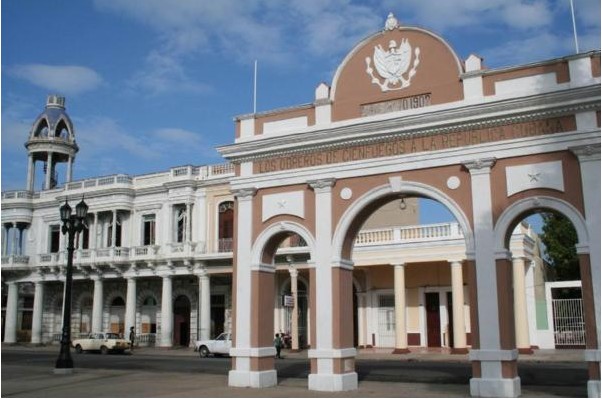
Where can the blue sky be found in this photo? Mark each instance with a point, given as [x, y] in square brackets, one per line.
[153, 84]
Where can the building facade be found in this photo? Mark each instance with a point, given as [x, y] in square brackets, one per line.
[313, 229]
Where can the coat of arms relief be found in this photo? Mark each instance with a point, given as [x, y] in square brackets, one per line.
[392, 65]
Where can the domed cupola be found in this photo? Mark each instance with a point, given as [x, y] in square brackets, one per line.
[51, 140]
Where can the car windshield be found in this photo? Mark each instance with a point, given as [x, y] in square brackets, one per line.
[222, 337]
[111, 336]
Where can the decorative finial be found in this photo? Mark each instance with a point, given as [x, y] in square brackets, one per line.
[392, 22]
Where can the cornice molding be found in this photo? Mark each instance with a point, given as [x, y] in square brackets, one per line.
[462, 116]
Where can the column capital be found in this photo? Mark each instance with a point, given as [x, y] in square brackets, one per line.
[201, 272]
[293, 272]
[343, 264]
[398, 264]
[585, 153]
[480, 165]
[322, 185]
[503, 254]
[244, 194]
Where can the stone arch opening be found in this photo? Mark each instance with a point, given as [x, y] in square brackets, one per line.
[85, 314]
[403, 316]
[117, 315]
[548, 320]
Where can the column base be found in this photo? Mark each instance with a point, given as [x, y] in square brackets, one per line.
[63, 371]
[400, 351]
[459, 351]
[332, 382]
[593, 389]
[495, 388]
[252, 379]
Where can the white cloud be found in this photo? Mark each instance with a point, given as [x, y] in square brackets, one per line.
[63, 79]
[164, 73]
[535, 48]
[106, 144]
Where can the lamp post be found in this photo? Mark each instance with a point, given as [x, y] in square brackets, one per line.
[71, 224]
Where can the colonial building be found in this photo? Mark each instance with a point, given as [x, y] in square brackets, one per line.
[313, 228]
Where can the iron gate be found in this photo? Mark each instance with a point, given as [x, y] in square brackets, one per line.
[569, 327]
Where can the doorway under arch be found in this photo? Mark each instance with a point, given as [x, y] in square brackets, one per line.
[181, 321]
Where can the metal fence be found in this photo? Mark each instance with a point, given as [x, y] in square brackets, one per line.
[569, 326]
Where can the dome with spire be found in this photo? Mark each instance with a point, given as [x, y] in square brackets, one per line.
[53, 122]
[52, 141]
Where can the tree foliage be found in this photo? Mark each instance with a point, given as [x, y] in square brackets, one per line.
[559, 237]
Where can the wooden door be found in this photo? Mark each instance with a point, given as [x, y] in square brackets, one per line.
[433, 322]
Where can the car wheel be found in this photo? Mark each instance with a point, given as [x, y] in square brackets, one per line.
[104, 350]
[204, 352]
[78, 349]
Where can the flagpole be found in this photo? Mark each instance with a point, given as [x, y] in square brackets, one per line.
[255, 89]
[574, 27]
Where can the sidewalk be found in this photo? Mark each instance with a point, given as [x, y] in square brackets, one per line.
[416, 354]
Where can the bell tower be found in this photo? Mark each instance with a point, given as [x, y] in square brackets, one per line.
[52, 141]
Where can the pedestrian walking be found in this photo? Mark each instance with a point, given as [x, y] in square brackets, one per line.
[132, 339]
[278, 346]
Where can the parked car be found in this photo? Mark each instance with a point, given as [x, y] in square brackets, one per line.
[103, 342]
[218, 346]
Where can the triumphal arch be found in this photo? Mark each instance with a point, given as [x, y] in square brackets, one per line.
[405, 117]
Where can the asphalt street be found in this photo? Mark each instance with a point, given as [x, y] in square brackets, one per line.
[442, 377]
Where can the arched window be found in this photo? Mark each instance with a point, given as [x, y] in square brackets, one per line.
[41, 129]
[225, 226]
[61, 130]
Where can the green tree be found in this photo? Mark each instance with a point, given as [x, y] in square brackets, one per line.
[559, 237]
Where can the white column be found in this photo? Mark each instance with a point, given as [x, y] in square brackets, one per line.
[325, 378]
[361, 320]
[69, 169]
[242, 375]
[204, 305]
[521, 322]
[589, 162]
[5, 238]
[295, 316]
[458, 307]
[93, 231]
[30, 172]
[49, 171]
[188, 222]
[97, 305]
[200, 233]
[489, 355]
[13, 246]
[114, 230]
[401, 333]
[130, 304]
[166, 313]
[10, 327]
[36, 323]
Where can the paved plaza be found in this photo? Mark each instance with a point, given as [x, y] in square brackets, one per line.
[35, 379]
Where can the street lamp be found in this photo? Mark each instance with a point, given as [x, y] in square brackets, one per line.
[71, 224]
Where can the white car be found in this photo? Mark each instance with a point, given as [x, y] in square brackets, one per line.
[103, 342]
[218, 346]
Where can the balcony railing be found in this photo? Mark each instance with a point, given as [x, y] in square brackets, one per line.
[224, 245]
[15, 260]
[409, 234]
